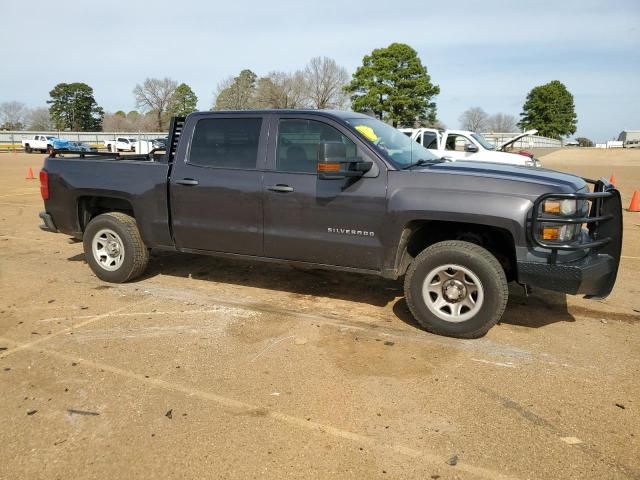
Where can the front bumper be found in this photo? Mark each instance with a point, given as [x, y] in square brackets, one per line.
[48, 225]
[593, 276]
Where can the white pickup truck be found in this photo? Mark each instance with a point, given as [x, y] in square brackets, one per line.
[466, 145]
[121, 144]
[39, 143]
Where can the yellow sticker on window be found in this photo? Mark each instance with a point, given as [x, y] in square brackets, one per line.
[367, 132]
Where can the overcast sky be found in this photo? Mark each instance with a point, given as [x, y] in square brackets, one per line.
[487, 54]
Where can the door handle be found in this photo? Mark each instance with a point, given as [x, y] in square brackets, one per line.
[187, 181]
[280, 188]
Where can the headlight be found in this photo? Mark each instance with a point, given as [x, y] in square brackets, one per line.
[565, 208]
[560, 233]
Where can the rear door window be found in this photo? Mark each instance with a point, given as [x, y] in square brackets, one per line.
[226, 143]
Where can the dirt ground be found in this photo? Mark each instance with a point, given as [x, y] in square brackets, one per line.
[209, 368]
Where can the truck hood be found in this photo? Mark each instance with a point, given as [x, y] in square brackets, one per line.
[561, 181]
[504, 145]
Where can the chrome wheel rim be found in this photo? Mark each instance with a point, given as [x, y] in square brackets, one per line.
[108, 249]
[453, 293]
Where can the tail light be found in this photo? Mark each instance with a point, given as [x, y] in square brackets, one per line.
[525, 153]
[44, 185]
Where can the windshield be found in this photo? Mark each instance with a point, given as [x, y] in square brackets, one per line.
[392, 143]
[50, 138]
[483, 141]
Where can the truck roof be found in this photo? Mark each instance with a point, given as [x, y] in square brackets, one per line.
[341, 114]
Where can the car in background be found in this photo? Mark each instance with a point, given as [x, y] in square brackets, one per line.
[121, 144]
[62, 145]
[41, 143]
[467, 145]
[159, 143]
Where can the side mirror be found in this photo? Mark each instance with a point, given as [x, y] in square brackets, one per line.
[333, 163]
[470, 148]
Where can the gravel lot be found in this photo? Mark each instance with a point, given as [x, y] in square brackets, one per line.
[209, 368]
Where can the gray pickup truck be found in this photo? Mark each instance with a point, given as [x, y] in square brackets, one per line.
[341, 190]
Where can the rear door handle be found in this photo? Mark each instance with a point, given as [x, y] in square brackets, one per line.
[280, 188]
[187, 181]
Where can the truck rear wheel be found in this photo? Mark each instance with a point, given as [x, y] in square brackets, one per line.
[457, 289]
[114, 248]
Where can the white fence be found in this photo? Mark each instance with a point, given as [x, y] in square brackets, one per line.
[10, 140]
[530, 141]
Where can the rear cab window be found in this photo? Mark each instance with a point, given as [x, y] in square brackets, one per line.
[226, 143]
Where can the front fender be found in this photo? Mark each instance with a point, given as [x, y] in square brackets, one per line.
[502, 211]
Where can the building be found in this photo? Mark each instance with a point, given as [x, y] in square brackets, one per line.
[630, 138]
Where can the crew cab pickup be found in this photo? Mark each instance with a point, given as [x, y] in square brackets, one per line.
[40, 143]
[121, 144]
[341, 190]
[472, 146]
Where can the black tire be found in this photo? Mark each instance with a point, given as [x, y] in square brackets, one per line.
[479, 261]
[136, 254]
[109, 148]
[27, 148]
[49, 149]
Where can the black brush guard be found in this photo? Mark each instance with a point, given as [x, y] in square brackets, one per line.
[604, 225]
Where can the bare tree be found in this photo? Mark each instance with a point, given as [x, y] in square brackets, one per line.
[474, 119]
[281, 90]
[129, 122]
[13, 115]
[502, 123]
[40, 120]
[112, 122]
[154, 95]
[324, 82]
[439, 124]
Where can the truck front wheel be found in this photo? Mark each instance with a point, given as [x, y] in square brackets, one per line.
[114, 248]
[27, 148]
[457, 289]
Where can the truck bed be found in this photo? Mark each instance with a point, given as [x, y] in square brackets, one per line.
[138, 182]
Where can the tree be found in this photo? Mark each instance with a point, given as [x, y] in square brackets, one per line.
[584, 142]
[280, 90]
[324, 83]
[183, 101]
[502, 122]
[13, 115]
[116, 122]
[474, 119]
[128, 122]
[153, 96]
[549, 108]
[40, 120]
[394, 85]
[236, 93]
[73, 107]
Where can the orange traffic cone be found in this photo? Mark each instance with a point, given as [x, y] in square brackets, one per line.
[634, 206]
[612, 180]
[30, 175]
